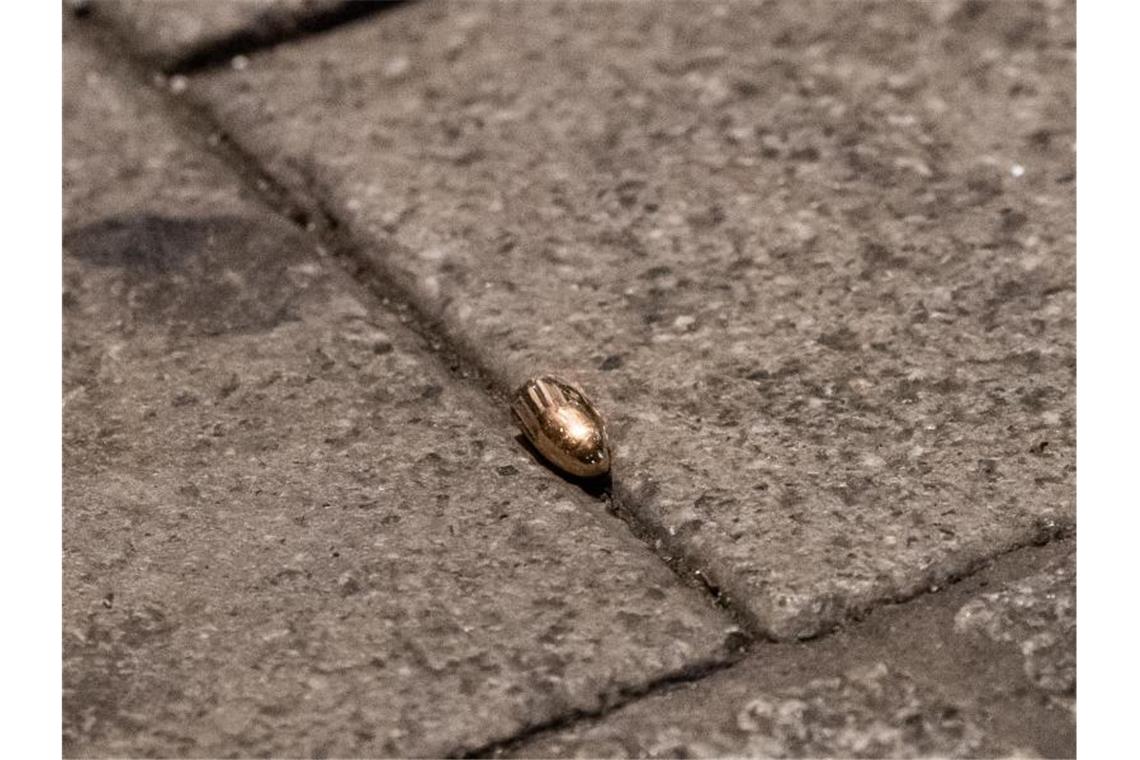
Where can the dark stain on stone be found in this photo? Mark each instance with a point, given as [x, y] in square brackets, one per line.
[709, 217]
[197, 275]
[807, 154]
[101, 667]
[1036, 399]
[948, 385]
[877, 257]
[184, 397]
[1012, 221]
[610, 363]
[984, 184]
[843, 339]
[229, 385]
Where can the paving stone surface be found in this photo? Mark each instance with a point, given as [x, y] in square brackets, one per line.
[287, 530]
[815, 260]
[1039, 616]
[170, 32]
[909, 681]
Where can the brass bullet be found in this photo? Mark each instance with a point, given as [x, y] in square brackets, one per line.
[559, 421]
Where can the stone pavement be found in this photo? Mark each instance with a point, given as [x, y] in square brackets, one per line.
[762, 252]
[287, 529]
[815, 262]
[984, 669]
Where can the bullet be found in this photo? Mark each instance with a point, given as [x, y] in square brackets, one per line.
[565, 427]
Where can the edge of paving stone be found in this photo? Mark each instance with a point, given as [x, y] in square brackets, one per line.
[305, 199]
[1010, 568]
[367, 262]
[272, 27]
[293, 198]
[726, 654]
[294, 191]
[762, 618]
[609, 703]
[298, 202]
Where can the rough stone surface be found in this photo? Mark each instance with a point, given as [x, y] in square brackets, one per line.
[1039, 616]
[287, 530]
[905, 682]
[815, 260]
[171, 31]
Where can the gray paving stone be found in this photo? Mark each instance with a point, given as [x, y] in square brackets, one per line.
[170, 32]
[815, 260]
[287, 531]
[905, 682]
[1039, 616]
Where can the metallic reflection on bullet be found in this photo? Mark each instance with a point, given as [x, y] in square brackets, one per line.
[559, 421]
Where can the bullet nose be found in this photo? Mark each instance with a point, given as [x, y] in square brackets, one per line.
[563, 425]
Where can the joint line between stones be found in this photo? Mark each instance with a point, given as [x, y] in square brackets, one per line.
[309, 212]
[305, 205]
[692, 674]
[302, 202]
[268, 31]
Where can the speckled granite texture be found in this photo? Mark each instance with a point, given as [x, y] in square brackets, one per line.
[815, 260]
[906, 682]
[287, 530]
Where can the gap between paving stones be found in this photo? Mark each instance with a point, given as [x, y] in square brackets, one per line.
[522, 739]
[690, 675]
[299, 195]
[949, 664]
[220, 51]
[300, 198]
[301, 201]
[378, 297]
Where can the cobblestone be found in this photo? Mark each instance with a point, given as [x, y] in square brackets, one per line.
[905, 682]
[815, 261]
[288, 529]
